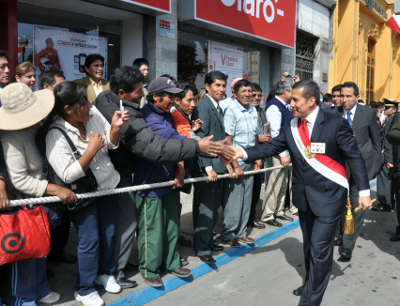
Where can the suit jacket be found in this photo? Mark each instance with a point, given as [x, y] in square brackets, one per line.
[366, 133]
[324, 196]
[90, 90]
[213, 124]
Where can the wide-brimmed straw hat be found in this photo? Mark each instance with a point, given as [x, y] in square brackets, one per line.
[22, 107]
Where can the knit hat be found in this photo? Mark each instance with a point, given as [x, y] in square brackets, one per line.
[22, 107]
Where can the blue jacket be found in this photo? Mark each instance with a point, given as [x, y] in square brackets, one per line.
[286, 114]
[147, 172]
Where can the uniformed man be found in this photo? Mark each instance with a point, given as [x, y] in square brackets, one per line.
[384, 182]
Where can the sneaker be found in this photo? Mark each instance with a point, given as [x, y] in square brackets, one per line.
[92, 299]
[109, 283]
[50, 298]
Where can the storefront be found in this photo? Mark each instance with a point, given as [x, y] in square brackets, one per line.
[365, 50]
[261, 46]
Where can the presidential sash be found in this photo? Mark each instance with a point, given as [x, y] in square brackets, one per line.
[321, 163]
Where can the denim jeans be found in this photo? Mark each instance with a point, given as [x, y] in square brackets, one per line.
[95, 225]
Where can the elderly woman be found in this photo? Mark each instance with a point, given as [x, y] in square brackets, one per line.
[93, 136]
[20, 119]
[25, 73]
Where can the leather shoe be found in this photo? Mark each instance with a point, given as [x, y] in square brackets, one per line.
[233, 243]
[216, 248]
[273, 222]
[125, 283]
[298, 291]
[382, 208]
[338, 242]
[395, 238]
[255, 224]
[182, 272]
[131, 267]
[346, 253]
[286, 218]
[154, 281]
[63, 257]
[208, 259]
[246, 239]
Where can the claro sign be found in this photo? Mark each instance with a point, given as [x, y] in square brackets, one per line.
[161, 5]
[272, 20]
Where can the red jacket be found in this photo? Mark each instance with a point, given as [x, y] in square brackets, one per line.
[52, 55]
[181, 124]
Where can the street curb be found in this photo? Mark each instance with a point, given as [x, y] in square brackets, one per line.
[149, 294]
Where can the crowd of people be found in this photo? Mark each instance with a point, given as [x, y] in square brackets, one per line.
[127, 132]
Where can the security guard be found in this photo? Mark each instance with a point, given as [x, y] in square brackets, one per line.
[384, 182]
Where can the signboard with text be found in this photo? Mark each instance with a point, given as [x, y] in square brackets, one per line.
[227, 59]
[55, 50]
[270, 20]
[162, 5]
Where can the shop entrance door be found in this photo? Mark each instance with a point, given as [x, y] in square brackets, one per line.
[370, 71]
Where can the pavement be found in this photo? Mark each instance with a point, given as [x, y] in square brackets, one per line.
[265, 274]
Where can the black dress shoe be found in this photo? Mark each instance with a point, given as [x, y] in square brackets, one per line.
[273, 222]
[382, 208]
[338, 242]
[286, 218]
[298, 291]
[255, 224]
[346, 253]
[208, 259]
[125, 283]
[131, 267]
[216, 248]
[395, 238]
[63, 257]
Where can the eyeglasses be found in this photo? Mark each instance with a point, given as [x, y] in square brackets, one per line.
[257, 95]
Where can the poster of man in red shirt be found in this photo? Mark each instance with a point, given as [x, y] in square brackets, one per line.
[47, 59]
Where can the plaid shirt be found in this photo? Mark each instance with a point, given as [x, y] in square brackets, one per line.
[243, 125]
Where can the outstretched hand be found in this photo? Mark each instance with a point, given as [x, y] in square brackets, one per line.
[228, 159]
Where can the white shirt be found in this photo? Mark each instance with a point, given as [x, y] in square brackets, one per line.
[310, 124]
[225, 103]
[60, 157]
[215, 103]
[351, 111]
[96, 86]
[274, 116]
[382, 118]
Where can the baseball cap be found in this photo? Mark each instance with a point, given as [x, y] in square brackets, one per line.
[165, 84]
[234, 82]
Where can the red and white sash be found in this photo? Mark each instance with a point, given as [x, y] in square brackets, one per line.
[321, 163]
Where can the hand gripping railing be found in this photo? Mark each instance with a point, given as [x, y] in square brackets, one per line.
[94, 194]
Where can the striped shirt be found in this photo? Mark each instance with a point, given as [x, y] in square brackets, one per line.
[243, 125]
[62, 160]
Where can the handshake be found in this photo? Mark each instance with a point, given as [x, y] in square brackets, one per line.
[226, 152]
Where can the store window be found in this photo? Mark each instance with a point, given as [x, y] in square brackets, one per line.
[305, 44]
[370, 70]
[31, 16]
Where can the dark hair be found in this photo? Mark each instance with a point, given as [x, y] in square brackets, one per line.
[4, 53]
[171, 78]
[139, 62]
[241, 83]
[311, 89]
[361, 101]
[256, 87]
[182, 94]
[352, 85]
[67, 93]
[327, 97]
[49, 77]
[212, 76]
[379, 104]
[125, 78]
[337, 88]
[92, 58]
[160, 93]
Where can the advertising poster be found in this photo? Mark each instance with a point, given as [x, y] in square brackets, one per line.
[227, 59]
[55, 49]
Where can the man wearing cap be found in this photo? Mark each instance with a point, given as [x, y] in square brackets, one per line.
[224, 103]
[157, 212]
[384, 181]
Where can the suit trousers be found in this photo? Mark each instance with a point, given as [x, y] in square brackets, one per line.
[384, 186]
[255, 199]
[206, 202]
[274, 201]
[59, 236]
[396, 181]
[237, 196]
[318, 241]
[349, 241]
[125, 226]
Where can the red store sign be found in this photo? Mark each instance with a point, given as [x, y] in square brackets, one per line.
[272, 20]
[162, 5]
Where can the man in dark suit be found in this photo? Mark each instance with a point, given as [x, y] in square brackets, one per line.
[208, 195]
[319, 179]
[362, 120]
